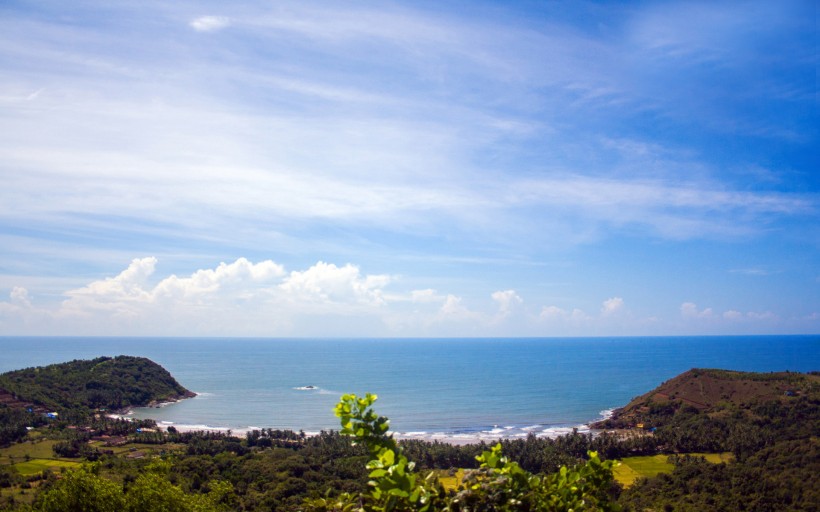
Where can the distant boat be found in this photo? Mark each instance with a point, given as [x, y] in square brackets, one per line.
[306, 388]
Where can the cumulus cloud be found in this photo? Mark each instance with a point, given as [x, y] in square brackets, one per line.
[612, 306]
[452, 306]
[120, 295]
[255, 298]
[325, 282]
[19, 310]
[506, 300]
[690, 310]
[242, 279]
[550, 312]
[732, 315]
[19, 296]
[454, 309]
[210, 23]
[241, 273]
[241, 297]
[263, 298]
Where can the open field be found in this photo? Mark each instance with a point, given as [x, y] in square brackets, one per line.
[36, 466]
[632, 468]
[30, 458]
[35, 450]
[141, 447]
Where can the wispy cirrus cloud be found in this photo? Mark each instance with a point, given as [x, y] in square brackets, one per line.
[416, 140]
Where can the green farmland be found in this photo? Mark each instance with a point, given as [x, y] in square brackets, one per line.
[632, 468]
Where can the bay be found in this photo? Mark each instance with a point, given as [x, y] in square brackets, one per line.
[449, 389]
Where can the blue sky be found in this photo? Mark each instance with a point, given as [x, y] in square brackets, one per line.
[409, 168]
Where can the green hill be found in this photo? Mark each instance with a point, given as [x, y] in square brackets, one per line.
[102, 383]
[715, 393]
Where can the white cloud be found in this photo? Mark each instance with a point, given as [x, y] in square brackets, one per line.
[210, 23]
[733, 315]
[247, 298]
[507, 300]
[19, 296]
[19, 311]
[241, 273]
[612, 306]
[452, 306]
[426, 296]
[550, 312]
[325, 282]
[263, 299]
[454, 309]
[729, 317]
[690, 310]
[122, 295]
[557, 321]
[672, 210]
[762, 315]
[236, 298]
[611, 318]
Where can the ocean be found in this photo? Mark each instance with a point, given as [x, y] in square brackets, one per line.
[458, 390]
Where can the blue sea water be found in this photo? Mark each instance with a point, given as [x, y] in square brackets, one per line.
[451, 389]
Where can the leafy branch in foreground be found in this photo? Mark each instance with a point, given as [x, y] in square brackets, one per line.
[497, 485]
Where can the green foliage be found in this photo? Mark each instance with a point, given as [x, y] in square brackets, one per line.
[104, 382]
[785, 476]
[503, 485]
[394, 484]
[13, 423]
[344, 502]
[83, 490]
[497, 485]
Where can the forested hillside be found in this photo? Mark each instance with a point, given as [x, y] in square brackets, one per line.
[711, 391]
[768, 421]
[719, 410]
[104, 382]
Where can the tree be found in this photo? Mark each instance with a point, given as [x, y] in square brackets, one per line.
[83, 490]
[497, 485]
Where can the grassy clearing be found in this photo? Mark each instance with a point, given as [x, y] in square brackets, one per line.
[151, 449]
[37, 466]
[33, 457]
[716, 458]
[632, 468]
[35, 450]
